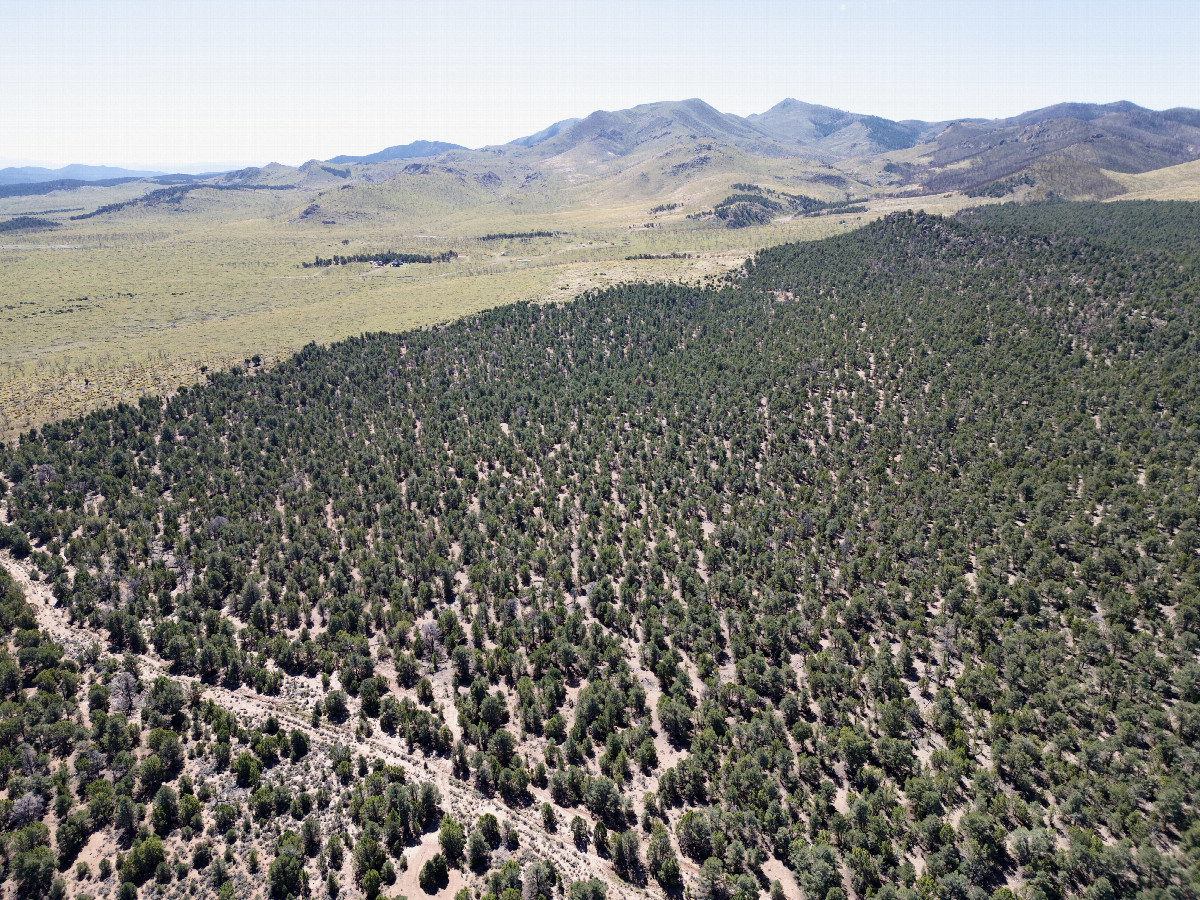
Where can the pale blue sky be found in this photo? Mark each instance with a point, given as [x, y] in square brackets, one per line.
[173, 84]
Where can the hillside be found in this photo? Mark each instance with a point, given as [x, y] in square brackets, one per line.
[413, 150]
[1165, 227]
[839, 133]
[870, 571]
[654, 126]
[1082, 139]
[1068, 150]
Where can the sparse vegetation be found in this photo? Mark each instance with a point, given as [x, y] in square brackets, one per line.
[519, 235]
[27, 223]
[173, 196]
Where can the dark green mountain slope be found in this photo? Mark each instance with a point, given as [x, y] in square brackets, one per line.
[1166, 226]
[875, 568]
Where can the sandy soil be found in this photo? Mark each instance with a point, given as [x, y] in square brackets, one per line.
[777, 871]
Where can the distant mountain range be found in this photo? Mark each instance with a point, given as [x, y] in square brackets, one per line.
[1070, 150]
[74, 172]
[1084, 137]
[837, 132]
[961, 155]
[789, 128]
[1066, 148]
[545, 133]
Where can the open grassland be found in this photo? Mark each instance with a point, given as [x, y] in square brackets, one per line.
[1181, 182]
[145, 299]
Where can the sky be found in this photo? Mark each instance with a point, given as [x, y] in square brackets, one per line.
[186, 85]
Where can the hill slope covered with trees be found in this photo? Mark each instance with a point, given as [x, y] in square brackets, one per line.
[870, 572]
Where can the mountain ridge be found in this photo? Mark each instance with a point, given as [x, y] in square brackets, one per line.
[73, 172]
[413, 150]
[1065, 147]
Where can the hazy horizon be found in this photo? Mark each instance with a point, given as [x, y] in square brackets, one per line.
[221, 85]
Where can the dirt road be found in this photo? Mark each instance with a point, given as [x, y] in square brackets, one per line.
[251, 708]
